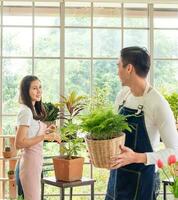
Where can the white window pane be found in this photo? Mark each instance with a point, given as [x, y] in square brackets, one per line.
[15, 42]
[77, 76]
[166, 76]
[105, 76]
[135, 15]
[166, 44]
[136, 38]
[77, 42]
[106, 43]
[13, 15]
[13, 71]
[8, 126]
[166, 16]
[47, 16]
[48, 71]
[47, 42]
[77, 14]
[107, 15]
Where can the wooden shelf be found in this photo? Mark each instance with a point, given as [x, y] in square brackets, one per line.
[13, 158]
[7, 136]
[6, 179]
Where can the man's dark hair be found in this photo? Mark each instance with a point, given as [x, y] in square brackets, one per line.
[138, 57]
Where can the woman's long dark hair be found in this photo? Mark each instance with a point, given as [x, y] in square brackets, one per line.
[38, 109]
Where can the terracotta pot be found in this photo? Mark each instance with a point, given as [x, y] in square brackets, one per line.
[101, 151]
[68, 170]
[7, 154]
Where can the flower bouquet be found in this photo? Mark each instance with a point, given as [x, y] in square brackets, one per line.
[170, 174]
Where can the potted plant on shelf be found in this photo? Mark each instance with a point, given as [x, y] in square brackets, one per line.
[52, 112]
[69, 166]
[173, 102]
[11, 174]
[105, 133]
[7, 153]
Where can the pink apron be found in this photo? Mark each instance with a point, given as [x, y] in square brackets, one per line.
[31, 167]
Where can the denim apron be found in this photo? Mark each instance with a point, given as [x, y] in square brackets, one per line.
[134, 181]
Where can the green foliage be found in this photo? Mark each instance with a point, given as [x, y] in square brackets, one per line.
[10, 172]
[52, 111]
[70, 108]
[173, 102]
[103, 123]
[7, 149]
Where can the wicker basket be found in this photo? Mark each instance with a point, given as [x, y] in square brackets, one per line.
[101, 151]
[176, 169]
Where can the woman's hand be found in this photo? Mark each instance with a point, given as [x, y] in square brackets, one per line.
[51, 128]
[52, 137]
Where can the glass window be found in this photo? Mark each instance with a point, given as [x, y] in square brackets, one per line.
[15, 41]
[13, 70]
[107, 15]
[105, 76]
[135, 15]
[165, 16]
[76, 46]
[47, 14]
[48, 71]
[77, 14]
[166, 76]
[106, 43]
[77, 76]
[134, 37]
[166, 43]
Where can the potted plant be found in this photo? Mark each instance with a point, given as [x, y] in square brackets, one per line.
[173, 102]
[105, 134]
[52, 112]
[11, 174]
[69, 166]
[7, 153]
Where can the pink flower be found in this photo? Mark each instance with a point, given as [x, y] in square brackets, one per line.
[171, 159]
[160, 164]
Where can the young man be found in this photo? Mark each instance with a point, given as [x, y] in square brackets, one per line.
[134, 176]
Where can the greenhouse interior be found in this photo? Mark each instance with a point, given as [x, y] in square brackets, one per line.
[89, 99]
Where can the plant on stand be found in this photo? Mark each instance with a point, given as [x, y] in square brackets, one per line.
[69, 166]
[171, 175]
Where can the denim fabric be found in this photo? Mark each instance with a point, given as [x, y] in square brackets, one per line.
[18, 183]
[134, 181]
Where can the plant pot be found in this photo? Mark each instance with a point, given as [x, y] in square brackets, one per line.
[68, 170]
[101, 151]
[7, 154]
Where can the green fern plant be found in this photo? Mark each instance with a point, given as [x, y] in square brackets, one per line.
[104, 124]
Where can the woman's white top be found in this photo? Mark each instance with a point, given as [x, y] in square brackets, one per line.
[159, 122]
[25, 117]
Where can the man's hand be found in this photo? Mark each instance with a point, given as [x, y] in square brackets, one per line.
[127, 156]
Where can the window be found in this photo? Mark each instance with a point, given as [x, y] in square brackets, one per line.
[75, 45]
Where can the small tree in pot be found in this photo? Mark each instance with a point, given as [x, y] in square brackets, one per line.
[104, 135]
[69, 166]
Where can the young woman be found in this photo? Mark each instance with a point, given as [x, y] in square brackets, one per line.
[31, 132]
